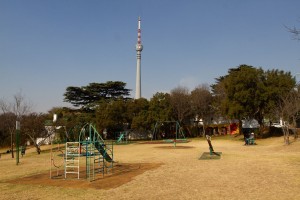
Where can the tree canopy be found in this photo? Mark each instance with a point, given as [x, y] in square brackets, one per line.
[250, 92]
[244, 92]
[87, 96]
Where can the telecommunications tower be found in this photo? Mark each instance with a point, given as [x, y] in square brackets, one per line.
[138, 48]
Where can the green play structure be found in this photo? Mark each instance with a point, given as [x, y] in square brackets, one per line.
[122, 137]
[98, 155]
[169, 132]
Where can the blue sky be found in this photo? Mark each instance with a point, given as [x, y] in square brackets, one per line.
[48, 45]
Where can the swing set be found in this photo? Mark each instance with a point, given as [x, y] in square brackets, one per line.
[169, 132]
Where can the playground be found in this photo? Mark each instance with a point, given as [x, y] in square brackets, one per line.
[268, 170]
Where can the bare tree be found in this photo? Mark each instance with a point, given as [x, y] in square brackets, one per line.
[33, 126]
[289, 109]
[14, 111]
[7, 128]
[10, 121]
[20, 107]
[201, 101]
[295, 32]
[180, 101]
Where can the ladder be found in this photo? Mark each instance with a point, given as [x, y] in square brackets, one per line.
[72, 158]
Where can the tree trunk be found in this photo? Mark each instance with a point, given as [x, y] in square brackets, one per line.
[38, 149]
[240, 127]
[286, 136]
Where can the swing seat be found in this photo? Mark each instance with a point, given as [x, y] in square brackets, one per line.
[169, 141]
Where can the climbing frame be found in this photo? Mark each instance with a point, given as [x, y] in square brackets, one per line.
[72, 156]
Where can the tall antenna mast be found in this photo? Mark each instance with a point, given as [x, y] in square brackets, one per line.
[138, 48]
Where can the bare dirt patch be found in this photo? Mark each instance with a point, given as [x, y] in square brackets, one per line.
[164, 142]
[122, 173]
[172, 147]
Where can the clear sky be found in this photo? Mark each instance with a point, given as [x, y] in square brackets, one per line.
[48, 45]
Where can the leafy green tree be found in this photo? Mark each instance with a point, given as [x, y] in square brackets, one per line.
[137, 112]
[111, 115]
[279, 84]
[160, 108]
[249, 92]
[69, 122]
[88, 96]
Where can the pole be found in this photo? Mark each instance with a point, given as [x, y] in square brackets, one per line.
[17, 141]
[12, 144]
[176, 134]
[51, 160]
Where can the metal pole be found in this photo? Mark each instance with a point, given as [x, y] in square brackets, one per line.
[176, 134]
[51, 160]
[17, 141]
[12, 145]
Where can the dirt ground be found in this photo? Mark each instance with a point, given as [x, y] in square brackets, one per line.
[121, 174]
[268, 170]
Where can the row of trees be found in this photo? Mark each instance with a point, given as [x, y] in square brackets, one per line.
[32, 124]
[116, 112]
[245, 92]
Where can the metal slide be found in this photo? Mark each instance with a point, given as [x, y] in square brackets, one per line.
[95, 139]
[101, 147]
[120, 138]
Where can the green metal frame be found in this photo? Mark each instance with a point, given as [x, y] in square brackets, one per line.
[17, 142]
[179, 132]
[99, 154]
[122, 138]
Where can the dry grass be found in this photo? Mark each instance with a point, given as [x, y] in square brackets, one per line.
[269, 170]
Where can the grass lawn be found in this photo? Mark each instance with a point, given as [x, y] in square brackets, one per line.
[268, 170]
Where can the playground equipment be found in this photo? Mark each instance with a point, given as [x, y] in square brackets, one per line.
[211, 148]
[211, 154]
[19, 149]
[72, 158]
[56, 160]
[172, 132]
[98, 155]
[122, 137]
